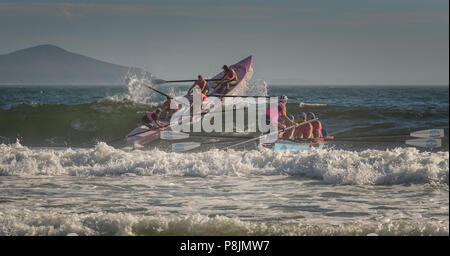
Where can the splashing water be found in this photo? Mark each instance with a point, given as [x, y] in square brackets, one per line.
[257, 87]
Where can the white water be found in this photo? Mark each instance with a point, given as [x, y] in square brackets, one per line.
[15, 222]
[108, 191]
[332, 166]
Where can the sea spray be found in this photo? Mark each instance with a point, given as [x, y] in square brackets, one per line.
[332, 166]
[26, 223]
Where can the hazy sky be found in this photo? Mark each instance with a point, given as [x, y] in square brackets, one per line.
[303, 42]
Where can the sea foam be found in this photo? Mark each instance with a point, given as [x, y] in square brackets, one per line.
[31, 223]
[332, 166]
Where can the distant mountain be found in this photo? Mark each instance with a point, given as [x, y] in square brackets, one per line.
[49, 64]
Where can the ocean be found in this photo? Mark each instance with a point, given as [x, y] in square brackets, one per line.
[64, 167]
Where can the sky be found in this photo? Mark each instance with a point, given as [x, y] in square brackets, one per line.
[346, 42]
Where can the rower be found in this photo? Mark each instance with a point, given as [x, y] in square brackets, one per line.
[304, 131]
[151, 119]
[316, 125]
[167, 112]
[224, 85]
[201, 83]
[288, 133]
[281, 126]
[280, 110]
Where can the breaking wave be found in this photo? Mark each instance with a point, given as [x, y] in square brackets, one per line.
[32, 223]
[331, 166]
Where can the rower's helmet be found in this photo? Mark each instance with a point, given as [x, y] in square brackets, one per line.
[311, 115]
[284, 97]
[158, 110]
[291, 117]
[302, 114]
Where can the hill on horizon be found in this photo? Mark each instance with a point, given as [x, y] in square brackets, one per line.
[50, 64]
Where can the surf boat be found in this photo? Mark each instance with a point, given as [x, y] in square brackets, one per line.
[142, 135]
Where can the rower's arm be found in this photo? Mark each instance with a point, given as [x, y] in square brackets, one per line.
[287, 118]
[320, 130]
[192, 87]
[310, 134]
[234, 75]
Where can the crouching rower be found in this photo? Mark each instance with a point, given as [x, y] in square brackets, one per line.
[317, 129]
[278, 110]
[200, 83]
[167, 111]
[304, 131]
[224, 85]
[151, 119]
[288, 134]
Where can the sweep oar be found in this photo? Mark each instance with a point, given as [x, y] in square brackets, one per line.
[160, 92]
[272, 133]
[247, 96]
[161, 81]
[184, 146]
[173, 135]
[431, 133]
[425, 142]
[427, 138]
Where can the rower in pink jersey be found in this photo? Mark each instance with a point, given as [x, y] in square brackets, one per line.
[151, 119]
[316, 125]
[280, 111]
[230, 78]
[201, 83]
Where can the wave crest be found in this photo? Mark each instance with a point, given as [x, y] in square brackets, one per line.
[332, 166]
[32, 223]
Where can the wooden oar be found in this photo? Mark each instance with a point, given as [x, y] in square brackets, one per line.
[173, 135]
[425, 142]
[184, 146]
[161, 81]
[431, 133]
[428, 138]
[272, 133]
[248, 96]
[160, 92]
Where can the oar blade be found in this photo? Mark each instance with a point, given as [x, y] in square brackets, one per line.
[173, 135]
[431, 133]
[428, 143]
[158, 81]
[184, 146]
